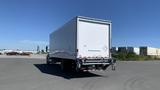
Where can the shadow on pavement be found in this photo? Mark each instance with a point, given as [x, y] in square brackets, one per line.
[55, 70]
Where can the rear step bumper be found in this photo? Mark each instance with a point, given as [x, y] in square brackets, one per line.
[97, 62]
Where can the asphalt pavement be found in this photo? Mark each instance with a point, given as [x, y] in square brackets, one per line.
[34, 74]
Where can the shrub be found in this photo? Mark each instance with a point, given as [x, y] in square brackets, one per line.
[130, 56]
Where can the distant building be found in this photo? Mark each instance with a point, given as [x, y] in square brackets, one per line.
[126, 50]
[114, 49]
[149, 51]
[134, 50]
[145, 51]
[137, 51]
[122, 49]
[130, 49]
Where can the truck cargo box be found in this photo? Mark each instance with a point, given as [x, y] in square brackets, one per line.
[82, 38]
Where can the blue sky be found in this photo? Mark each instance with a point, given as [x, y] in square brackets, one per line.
[24, 24]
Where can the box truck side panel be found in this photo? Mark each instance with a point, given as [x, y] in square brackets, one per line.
[63, 41]
[93, 39]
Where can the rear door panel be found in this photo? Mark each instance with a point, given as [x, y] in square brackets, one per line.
[93, 39]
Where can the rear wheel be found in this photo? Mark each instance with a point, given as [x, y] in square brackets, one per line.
[77, 66]
[105, 67]
[62, 65]
[66, 65]
[48, 61]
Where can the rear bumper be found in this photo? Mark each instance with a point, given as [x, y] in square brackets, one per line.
[97, 62]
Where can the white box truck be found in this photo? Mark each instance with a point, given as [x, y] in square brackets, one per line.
[82, 44]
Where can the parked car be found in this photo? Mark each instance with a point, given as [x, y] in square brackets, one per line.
[12, 53]
[25, 54]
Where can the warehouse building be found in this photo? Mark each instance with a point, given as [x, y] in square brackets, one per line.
[129, 49]
[137, 51]
[134, 50]
[122, 49]
[149, 51]
[126, 50]
[143, 50]
[114, 49]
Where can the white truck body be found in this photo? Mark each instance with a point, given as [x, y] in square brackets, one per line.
[82, 37]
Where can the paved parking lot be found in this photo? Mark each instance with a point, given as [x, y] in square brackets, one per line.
[34, 74]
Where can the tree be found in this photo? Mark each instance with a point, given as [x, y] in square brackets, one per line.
[42, 51]
[46, 49]
[38, 49]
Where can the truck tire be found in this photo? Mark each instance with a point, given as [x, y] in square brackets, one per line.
[48, 63]
[105, 67]
[67, 65]
[77, 66]
[48, 60]
[64, 65]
